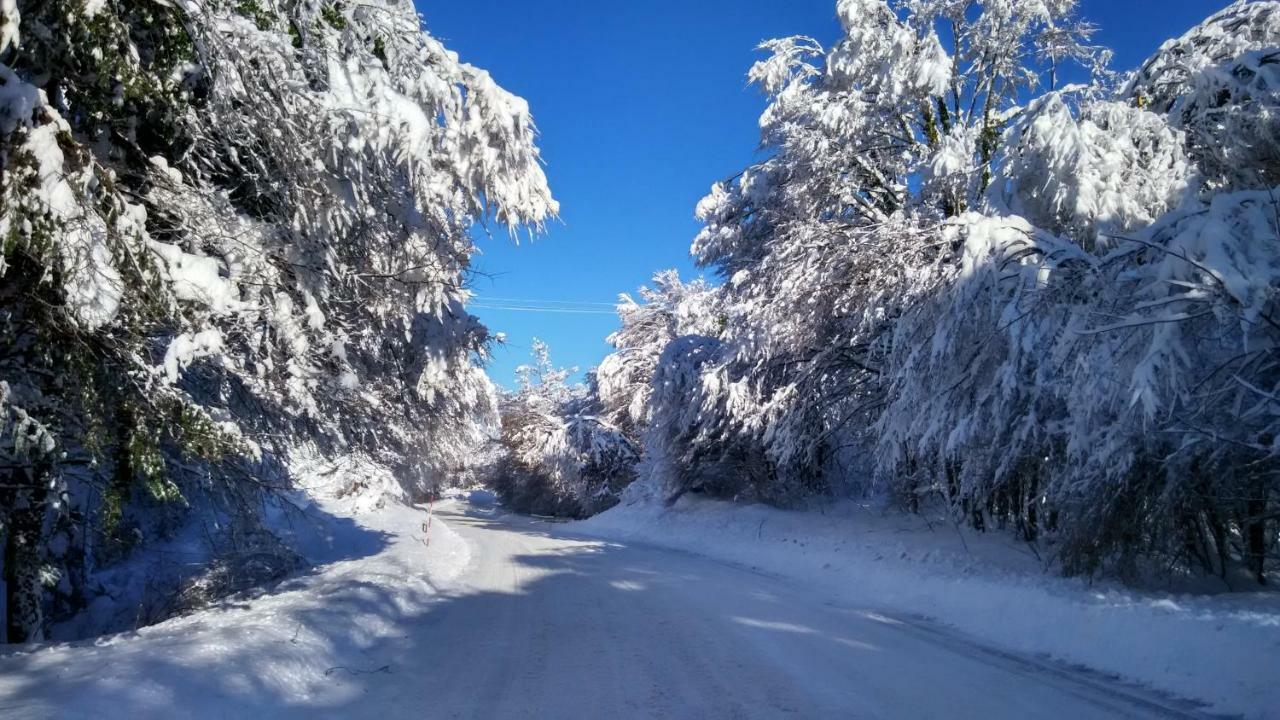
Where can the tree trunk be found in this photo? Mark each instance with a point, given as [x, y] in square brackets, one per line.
[1255, 531]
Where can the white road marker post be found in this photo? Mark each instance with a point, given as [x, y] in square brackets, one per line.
[426, 526]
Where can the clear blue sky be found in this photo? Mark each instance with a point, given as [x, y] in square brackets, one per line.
[642, 105]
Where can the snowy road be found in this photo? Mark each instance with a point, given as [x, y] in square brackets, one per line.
[549, 626]
[507, 617]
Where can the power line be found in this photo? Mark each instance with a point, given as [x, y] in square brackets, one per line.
[527, 301]
[578, 311]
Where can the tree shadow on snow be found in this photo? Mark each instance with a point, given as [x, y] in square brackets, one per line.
[571, 627]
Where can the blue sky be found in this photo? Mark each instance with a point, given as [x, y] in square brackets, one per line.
[641, 106]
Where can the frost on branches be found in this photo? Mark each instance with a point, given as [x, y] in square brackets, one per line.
[956, 278]
[230, 228]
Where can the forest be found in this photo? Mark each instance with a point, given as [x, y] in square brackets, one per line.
[975, 268]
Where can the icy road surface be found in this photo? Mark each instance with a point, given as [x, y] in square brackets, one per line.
[534, 622]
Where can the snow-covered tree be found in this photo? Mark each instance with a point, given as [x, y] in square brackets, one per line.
[1216, 83]
[670, 309]
[229, 228]
[873, 144]
[955, 277]
[558, 452]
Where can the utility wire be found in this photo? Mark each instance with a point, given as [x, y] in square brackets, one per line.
[526, 301]
[580, 311]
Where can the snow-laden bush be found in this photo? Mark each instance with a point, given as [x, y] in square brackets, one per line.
[229, 227]
[1092, 369]
[558, 454]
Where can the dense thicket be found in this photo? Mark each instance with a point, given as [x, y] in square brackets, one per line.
[1050, 306]
[230, 227]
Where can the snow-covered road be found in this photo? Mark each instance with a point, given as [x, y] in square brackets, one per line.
[540, 623]
[551, 626]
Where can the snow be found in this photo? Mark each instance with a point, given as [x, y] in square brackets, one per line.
[502, 616]
[187, 347]
[197, 279]
[92, 283]
[305, 644]
[478, 497]
[92, 7]
[654, 633]
[498, 616]
[1222, 650]
[1117, 166]
[10, 21]
[159, 161]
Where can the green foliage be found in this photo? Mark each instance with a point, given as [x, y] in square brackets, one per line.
[141, 459]
[332, 14]
[147, 462]
[124, 61]
[261, 16]
[31, 229]
[199, 437]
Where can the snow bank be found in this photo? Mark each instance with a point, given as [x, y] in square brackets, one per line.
[1221, 650]
[309, 644]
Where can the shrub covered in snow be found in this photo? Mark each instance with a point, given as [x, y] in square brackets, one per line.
[557, 453]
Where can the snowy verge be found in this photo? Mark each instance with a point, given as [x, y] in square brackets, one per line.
[1223, 650]
[312, 642]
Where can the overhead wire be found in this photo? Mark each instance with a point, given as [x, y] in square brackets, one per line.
[479, 306]
[577, 307]
[522, 301]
